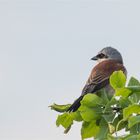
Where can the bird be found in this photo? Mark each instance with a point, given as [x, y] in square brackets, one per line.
[108, 60]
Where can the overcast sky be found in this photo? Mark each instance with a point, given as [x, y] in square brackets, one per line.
[45, 51]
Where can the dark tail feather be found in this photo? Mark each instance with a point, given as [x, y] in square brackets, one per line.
[75, 105]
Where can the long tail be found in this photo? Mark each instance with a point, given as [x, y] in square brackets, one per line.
[75, 105]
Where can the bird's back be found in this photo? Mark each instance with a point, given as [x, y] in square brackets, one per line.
[100, 75]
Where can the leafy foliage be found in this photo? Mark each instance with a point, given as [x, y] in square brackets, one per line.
[102, 116]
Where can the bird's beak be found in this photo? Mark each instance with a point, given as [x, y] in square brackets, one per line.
[94, 58]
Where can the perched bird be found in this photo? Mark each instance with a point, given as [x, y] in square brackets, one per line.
[109, 60]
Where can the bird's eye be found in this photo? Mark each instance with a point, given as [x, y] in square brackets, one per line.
[101, 55]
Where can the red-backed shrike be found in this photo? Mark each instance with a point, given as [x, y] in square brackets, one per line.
[109, 60]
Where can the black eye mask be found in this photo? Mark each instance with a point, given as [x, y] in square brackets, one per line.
[101, 55]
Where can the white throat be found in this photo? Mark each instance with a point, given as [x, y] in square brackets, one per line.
[101, 60]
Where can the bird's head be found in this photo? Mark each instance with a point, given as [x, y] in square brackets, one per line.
[108, 53]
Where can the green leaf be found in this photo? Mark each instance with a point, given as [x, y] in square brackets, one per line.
[133, 120]
[132, 137]
[119, 123]
[130, 110]
[76, 116]
[135, 98]
[89, 114]
[65, 120]
[103, 131]
[108, 107]
[60, 108]
[117, 79]
[89, 129]
[135, 129]
[134, 85]
[104, 95]
[124, 102]
[124, 92]
[134, 88]
[91, 100]
[109, 117]
[110, 137]
[133, 82]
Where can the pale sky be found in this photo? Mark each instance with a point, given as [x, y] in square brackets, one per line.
[45, 51]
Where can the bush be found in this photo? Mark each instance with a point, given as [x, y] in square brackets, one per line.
[103, 116]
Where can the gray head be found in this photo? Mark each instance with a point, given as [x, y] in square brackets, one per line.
[108, 53]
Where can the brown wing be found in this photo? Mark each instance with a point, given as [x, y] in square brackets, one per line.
[100, 74]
